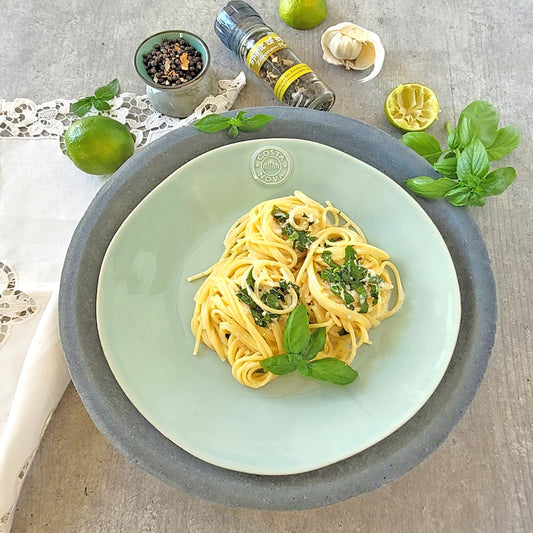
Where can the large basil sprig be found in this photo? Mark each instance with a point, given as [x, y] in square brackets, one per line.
[465, 163]
[302, 347]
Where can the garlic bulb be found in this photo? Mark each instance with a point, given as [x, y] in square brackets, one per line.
[353, 47]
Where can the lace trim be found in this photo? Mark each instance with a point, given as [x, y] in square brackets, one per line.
[25, 118]
[15, 306]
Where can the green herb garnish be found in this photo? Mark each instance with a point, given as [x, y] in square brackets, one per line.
[301, 239]
[464, 164]
[302, 347]
[271, 298]
[214, 123]
[99, 101]
[351, 280]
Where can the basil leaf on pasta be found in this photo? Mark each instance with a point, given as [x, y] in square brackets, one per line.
[303, 368]
[278, 364]
[332, 370]
[296, 332]
[316, 344]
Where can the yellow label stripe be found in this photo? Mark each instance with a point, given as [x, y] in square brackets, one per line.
[289, 77]
[262, 50]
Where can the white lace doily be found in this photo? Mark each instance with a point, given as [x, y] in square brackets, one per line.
[15, 306]
[25, 118]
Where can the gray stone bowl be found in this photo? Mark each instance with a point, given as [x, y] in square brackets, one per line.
[117, 418]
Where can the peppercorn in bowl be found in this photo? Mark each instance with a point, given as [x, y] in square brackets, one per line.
[175, 65]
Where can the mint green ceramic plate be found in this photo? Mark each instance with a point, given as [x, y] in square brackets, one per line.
[294, 424]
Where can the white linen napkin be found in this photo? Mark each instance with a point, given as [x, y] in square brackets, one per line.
[42, 198]
[42, 381]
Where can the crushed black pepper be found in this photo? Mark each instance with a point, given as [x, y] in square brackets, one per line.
[173, 62]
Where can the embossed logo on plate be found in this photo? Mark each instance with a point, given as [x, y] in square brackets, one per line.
[270, 165]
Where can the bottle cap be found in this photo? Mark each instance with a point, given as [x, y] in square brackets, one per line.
[234, 21]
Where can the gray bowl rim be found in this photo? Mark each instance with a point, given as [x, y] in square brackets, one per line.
[116, 417]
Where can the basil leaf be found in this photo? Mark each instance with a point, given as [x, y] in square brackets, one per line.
[81, 107]
[507, 139]
[255, 122]
[296, 333]
[250, 278]
[101, 105]
[423, 144]
[316, 344]
[473, 160]
[303, 368]
[233, 131]
[465, 132]
[107, 91]
[482, 122]
[348, 298]
[279, 215]
[278, 364]
[454, 141]
[497, 181]
[332, 370]
[326, 257]
[212, 123]
[475, 199]
[430, 188]
[349, 254]
[447, 167]
[458, 196]
[271, 299]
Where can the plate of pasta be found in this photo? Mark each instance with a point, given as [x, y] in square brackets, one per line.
[278, 325]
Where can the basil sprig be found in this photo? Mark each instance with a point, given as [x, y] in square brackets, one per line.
[302, 347]
[465, 163]
[241, 122]
[99, 101]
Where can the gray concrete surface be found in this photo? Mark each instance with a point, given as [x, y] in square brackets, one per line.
[481, 477]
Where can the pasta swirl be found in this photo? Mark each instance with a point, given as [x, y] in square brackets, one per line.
[283, 252]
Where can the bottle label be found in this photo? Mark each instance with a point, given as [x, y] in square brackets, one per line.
[288, 77]
[261, 51]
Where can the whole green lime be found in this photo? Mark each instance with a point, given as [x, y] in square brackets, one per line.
[98, 144]
[302, 14]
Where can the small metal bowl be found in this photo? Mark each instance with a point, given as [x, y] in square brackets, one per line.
[182, 100]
